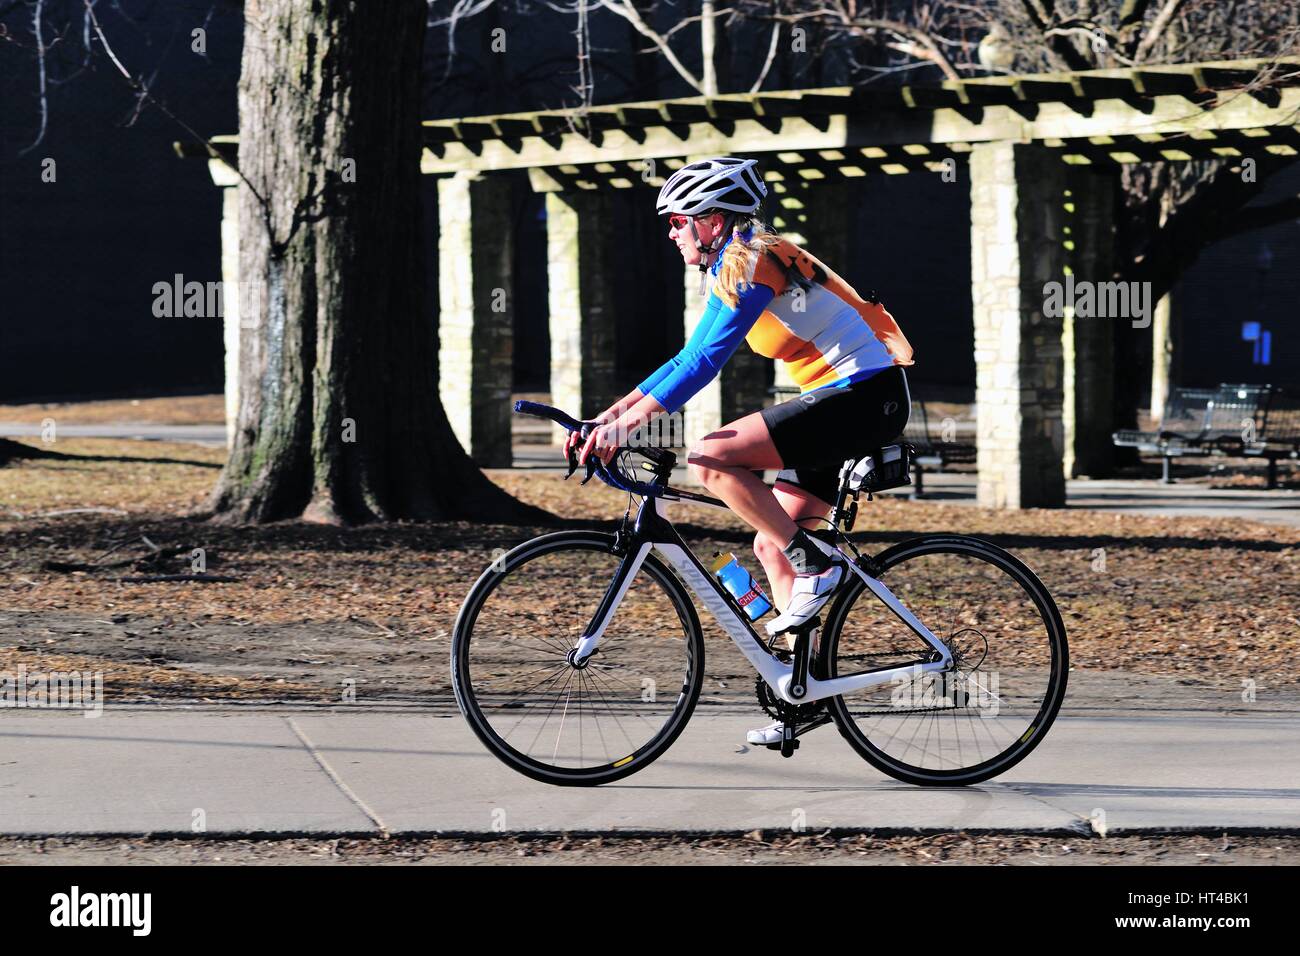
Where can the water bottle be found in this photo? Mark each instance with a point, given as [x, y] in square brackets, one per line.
[741, 585]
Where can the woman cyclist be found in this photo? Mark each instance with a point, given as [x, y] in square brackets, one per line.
[846, 354]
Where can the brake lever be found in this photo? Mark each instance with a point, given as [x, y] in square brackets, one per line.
[583, 433]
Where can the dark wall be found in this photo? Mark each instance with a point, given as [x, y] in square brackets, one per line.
[912, 246]
[1254, 277]
[532, 343]
[79, 256]
[649, 289]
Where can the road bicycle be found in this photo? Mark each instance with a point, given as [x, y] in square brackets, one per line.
[578, 656]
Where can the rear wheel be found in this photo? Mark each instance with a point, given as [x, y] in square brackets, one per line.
[1009, 673]
[581, 723]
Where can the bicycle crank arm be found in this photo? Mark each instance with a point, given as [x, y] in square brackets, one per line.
[796, 732]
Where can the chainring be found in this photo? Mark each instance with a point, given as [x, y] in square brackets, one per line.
[778, 709]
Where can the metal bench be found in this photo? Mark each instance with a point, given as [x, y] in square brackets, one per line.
[932, 451]
[1181, 422]
[1230, 419]
[1273, 434]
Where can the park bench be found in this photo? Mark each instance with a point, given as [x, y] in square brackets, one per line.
[934, 450]
[1231, 420]
[1276, 437]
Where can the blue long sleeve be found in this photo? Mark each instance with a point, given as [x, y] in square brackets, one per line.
[719, 333]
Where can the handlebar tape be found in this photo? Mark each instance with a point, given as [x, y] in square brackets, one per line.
[548, 411]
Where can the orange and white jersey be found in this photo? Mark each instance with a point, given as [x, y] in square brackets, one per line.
[822, 329]
[826, 334]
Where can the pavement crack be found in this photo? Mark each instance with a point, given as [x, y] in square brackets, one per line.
[1084, 824]
[338, 780]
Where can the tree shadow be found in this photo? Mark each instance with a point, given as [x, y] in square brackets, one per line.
[11, 451]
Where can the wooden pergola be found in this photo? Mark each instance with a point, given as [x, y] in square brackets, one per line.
[1031, 146]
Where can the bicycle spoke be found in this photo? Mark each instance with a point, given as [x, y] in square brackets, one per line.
[994, 623]
[513, 654]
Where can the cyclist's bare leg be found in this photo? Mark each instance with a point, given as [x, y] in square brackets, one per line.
[807, 510]
[724, 461]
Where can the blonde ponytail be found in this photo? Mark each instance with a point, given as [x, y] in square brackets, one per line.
[740, 258]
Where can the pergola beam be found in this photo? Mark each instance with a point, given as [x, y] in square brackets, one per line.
[1276, 144]
[1166, 115]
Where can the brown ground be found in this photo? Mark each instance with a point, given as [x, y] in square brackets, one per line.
[1204, 602]
[757, 848]
[174, 410]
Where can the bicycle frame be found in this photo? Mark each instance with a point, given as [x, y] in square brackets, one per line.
[653, 531]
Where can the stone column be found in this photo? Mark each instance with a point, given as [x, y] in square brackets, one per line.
[738, 390]
[1162, 354]
[581, 276]
[226, 178]
[1089, 366]
[1017, 218]
[475, 357]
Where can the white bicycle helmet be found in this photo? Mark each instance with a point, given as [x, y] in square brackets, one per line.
[724, 183]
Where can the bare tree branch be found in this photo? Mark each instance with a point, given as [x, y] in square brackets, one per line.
[1249, 218]
[1157, 30]
[40, 72]
[771, 58]
[144, 93]
[629, 13]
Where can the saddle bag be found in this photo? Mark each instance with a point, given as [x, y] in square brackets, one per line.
[889, 466]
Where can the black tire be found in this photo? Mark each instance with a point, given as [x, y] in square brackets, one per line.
[582, 557]
[878, 637]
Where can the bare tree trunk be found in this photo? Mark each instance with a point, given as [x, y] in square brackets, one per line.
[708, 44]
[339, 415]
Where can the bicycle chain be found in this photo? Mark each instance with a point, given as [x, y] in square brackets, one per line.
[777, 709]
[906, 710]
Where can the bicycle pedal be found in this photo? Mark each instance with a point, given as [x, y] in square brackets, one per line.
[786, 747]
[809, 625]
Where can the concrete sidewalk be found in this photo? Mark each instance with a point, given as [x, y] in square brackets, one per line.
[367, 770]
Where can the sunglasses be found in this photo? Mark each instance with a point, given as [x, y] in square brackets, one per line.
[678, 222]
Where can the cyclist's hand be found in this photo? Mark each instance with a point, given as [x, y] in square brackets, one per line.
[602, 443]
[574, 442]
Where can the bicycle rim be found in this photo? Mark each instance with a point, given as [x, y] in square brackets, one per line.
[994, 706]
[535, 710]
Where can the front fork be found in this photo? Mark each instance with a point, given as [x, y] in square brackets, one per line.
[627, 571]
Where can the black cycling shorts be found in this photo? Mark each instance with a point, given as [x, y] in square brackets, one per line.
[816, 432]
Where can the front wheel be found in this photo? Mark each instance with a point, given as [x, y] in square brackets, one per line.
[585, 722]
[1009, 669]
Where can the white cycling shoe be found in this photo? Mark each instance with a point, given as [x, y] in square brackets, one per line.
[808, 595]
[771, 734]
